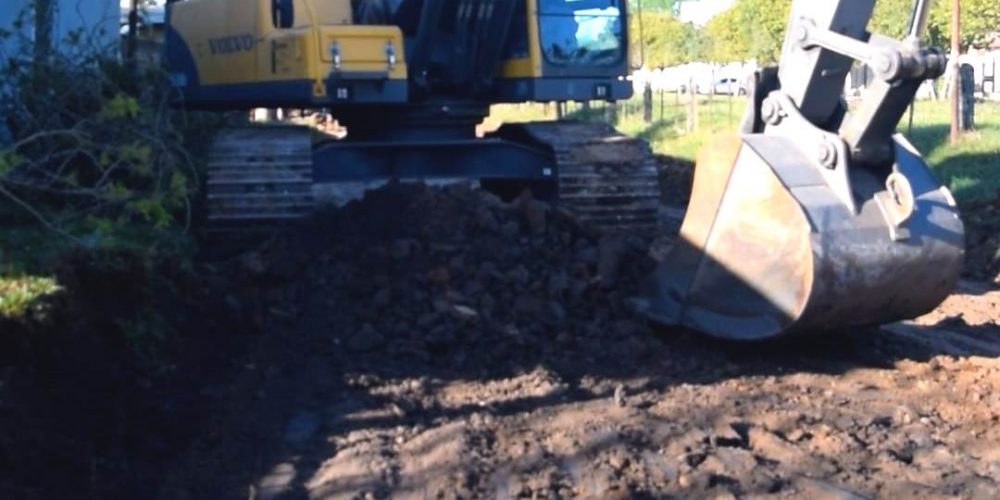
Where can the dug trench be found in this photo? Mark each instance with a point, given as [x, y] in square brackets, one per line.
[438, 342]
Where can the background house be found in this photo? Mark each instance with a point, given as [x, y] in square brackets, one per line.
[151, 31]
[77, 26]
[96, 21]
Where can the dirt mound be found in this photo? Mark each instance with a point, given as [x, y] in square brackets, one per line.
[106, 381]
[676, 178]
[441, 343]
[982, 261]
[431, 272]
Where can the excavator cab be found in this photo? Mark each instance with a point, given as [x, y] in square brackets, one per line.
[818, 216]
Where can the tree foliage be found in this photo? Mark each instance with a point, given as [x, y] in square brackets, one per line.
[754, 29]
[91, 145]
[726, 40]
[659, 39]
[750, 29]
[980, 20]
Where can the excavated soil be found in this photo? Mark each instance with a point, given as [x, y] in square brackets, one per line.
[439, 343]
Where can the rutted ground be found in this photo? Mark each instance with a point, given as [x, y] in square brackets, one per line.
[439, 343]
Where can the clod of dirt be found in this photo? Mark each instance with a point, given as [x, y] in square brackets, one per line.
[366, 339]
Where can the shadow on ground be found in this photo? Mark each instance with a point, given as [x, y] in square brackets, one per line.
[421, 353]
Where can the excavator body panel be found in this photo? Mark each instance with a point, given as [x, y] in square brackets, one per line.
[251, 60]
[228, 54]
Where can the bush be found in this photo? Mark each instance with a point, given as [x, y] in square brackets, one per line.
[93, 149]
[94, 167]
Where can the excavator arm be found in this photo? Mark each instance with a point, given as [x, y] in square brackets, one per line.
[816, 218]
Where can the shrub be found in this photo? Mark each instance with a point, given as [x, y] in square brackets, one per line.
[92, 147]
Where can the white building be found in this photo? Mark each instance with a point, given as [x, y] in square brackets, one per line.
[151, 13]
[699, 12]
[78, 26]
[96, 21]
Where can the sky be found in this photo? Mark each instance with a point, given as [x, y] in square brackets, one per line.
[701, 11]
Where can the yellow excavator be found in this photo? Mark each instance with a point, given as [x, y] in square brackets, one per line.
[813, 217]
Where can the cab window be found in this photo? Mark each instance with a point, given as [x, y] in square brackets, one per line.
[581, 32]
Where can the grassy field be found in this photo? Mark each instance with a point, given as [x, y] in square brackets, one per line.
[971, 168]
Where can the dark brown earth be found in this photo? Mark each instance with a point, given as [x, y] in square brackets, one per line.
[431, 343]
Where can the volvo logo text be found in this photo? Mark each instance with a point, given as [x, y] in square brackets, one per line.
[231, 44]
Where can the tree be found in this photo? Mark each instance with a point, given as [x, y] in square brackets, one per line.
[891, 18]
[664, 40]
[44, 15]
[726, 41]
[763, 23]
[750, 29]
[755, 29]
[980, 20]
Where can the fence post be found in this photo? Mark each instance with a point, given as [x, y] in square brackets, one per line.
[967, 97]
[647, 102]
[44, 20]
[611, 112]
[956, 54]
[692, 111]
[662, 110]
[730, 98]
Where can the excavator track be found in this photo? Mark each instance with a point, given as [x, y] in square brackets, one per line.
[259, 178]
[605, 178]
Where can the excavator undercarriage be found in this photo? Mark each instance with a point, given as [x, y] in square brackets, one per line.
[263, 177]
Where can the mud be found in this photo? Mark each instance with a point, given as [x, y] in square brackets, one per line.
[438, 343]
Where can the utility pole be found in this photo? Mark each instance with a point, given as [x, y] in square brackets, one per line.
[647, 90]
[133, 35]
[44, 14]
[956, 77]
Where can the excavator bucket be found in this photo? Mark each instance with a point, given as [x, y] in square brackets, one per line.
[811, 221]
[766, 250]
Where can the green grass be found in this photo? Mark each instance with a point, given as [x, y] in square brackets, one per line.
[20, 295]
[29, 254]
[26, 253]
[970, 168]
[667, 134]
